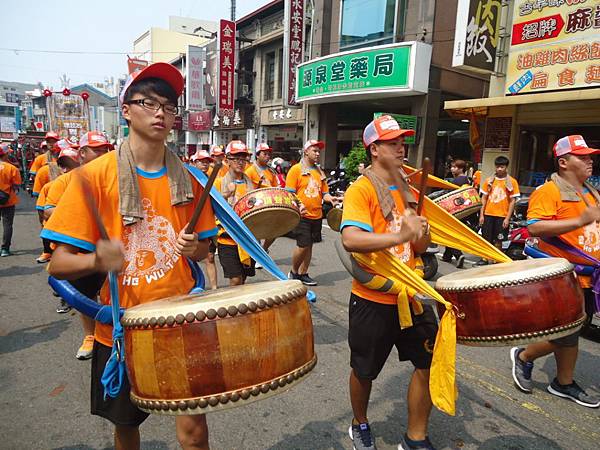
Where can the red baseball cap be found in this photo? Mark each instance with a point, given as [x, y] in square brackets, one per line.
[69, 152]
[4, 149]
[164, 71]
[43, 144]
[52, 135]
[61, 145]
[263, 147]
[216, 150]
[93, 139]
[314, 143]
[384, 128]
[575, 145]
[236, 147]
[200, 155]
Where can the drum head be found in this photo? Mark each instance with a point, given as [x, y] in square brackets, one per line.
[512, 273]
[272, 223]
[334, 219]
[221, 298]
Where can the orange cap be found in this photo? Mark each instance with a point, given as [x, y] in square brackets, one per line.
[314, 143]
[164, 71]
[575, 145]
[236, 147]
[200, 155]
[93, 139]
[52, 135]
[384, 128]
[263, 147]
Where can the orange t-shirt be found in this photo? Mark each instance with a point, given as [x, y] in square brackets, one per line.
[9, 178]
[267, 180]
[309, 188]
[57, 189]
[41, 178]
[153, 268]
[545, 204]
[498, 196]
[39, 162]
[42, 200]
[362, 210]
[240, 191]
[477, 179]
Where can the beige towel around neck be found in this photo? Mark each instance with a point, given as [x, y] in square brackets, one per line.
[568, 193]
[130, 208]
[306, 168]
[384, 196]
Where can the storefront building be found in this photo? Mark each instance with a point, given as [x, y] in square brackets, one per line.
[546, 87]
[385, 56]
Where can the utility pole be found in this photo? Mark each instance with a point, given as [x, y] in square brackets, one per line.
[233, 10]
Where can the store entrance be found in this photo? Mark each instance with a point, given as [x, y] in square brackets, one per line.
[535, 158]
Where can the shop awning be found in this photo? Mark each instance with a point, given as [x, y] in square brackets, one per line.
[479, 106]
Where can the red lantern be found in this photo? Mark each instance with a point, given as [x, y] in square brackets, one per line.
[85, 95]
[66, 92]
[47, 93]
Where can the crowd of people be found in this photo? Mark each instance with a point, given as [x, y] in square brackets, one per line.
[143, 196]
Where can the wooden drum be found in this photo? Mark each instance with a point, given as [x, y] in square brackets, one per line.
[461, 202]
[194, 354]
[269, 212]
[514, 303]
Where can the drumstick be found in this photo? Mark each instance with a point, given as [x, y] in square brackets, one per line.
[416, 172]
[423, 185]
[196, 215]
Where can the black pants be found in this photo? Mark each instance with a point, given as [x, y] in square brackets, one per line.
[7, 215]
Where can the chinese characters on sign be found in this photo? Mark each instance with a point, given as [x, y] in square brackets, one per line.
[194, 78]
[233, 119]
[294, 50]
[199, 121]
[554, 45]
[226, 86]
[382, 68]
[476, 35]
[405, 122]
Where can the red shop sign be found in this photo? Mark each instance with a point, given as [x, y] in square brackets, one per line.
[226, 87]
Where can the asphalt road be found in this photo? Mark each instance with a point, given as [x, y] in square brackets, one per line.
[44, 390]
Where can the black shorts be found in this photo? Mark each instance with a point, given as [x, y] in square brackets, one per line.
[308, 232]
[573, 339]
[231, 264]
[374, 329]
[119, 410]
[89, 285]
[492, 229]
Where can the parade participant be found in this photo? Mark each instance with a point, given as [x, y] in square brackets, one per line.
[262, 176]
[499, 194]
[375, 218]
[218, 155]
[236, 263]
[91, 145]
[308, 182]
[202, 160]
[145, 198]
[46, 173]
[566, 207]
[457, 167]
[50, 154]
[10, 180]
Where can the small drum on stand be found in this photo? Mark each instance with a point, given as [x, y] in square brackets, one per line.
[269, 212]
[460, 203]
[514, 303]
[194, 354]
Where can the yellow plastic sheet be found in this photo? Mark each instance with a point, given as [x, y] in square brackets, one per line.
[432, 181]
[442, 380]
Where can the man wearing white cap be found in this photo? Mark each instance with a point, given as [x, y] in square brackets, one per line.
[308, 182]
[566, 208]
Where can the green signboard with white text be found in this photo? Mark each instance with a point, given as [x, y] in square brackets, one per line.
[376, 70]
[405, 122]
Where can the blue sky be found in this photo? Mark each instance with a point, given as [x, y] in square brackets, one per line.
[86, 26]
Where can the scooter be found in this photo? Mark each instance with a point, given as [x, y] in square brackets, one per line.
[430, 262]
[515, 244]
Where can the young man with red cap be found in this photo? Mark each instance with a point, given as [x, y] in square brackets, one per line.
[568, 208]
[236, 263]
[262, 176]
[202, 160]
[308, 181]
[217, 153]
[145, 198]
[49, 155]
[91, 145]
[46, 173]
[375, 218]
[10, 180]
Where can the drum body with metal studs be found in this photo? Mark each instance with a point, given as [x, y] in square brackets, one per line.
[460, 203]
[514, 303]
[194, 354]
[269, 212]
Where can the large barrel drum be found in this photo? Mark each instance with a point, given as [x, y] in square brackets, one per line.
[514, 303]
[199, 353]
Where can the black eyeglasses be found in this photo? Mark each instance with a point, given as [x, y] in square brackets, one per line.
[239, 159]
[154, 105]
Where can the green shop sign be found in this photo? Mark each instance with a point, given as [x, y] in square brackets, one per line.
[376, 71]
[405, 122]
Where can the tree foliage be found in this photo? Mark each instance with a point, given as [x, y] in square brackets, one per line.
[356, 155]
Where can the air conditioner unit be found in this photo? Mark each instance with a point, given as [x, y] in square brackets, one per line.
[245, 90]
